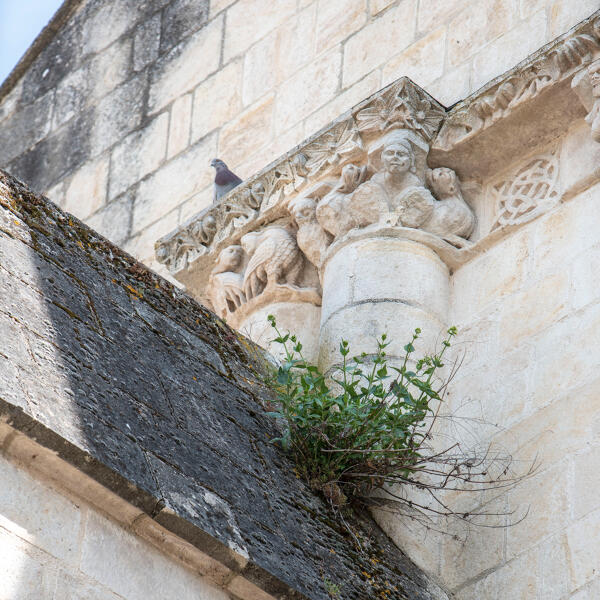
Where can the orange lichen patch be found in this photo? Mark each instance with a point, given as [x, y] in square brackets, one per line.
[133, 291]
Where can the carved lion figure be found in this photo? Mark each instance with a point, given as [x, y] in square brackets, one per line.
[275, 259]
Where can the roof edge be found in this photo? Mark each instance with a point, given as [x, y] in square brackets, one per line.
[61, 16]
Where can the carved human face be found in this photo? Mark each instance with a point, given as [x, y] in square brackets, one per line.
[231, 257]
[443, 182]
[304, 211]
[396, 159]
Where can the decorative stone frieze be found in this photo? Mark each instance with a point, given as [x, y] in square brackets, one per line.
[384, 183]
[553, 63]
[586, 85]
[307, 193]
[530, 105]
[267, 267]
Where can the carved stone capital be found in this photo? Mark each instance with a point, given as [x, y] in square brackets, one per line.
[396, 162]
[292, 193]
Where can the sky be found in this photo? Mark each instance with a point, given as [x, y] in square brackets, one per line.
[20, 23]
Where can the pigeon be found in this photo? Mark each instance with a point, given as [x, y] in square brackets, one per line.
[225, 180]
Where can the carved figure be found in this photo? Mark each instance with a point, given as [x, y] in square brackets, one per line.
[593, 118]
[226, 283]
[204, 230]
[275, 259]
[312, 239]
[452, 218]
[395, 194]
[333, 212]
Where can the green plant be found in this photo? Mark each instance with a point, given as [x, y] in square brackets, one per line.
[368, 425]
[364, 424]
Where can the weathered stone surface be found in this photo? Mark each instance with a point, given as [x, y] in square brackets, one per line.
[180, 18]
[60, 538]
[118, 114]
[226, 86]
[180, 125]
[311, 87]
[61, 56]
[138, 154]
[473, 28]
[337, 21]
[249, 20]
[146, 43]
[186, 65]
[248, 132]
[27, 573]
[55, 156]
[379, 41]
[522, 40]
[174, 183]
[423, 62]
[144, 390]
[114, 220]
[86, 192]
[25, 128]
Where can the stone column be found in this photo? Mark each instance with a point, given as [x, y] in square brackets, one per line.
[301, 318]
[381, 281]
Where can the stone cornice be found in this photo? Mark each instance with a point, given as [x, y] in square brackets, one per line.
[524, 108]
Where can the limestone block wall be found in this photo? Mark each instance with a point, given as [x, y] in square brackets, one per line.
[119, 115]
[528, 314]
[56, 546]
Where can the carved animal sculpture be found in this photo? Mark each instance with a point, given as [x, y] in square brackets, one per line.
[226, 285]
[225, 180]
[312, 239]
[333, 212]
[275, 259]
[452, 218]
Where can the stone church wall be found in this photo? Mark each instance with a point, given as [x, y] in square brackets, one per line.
[528, 314]
[55, 546]
[119, 115]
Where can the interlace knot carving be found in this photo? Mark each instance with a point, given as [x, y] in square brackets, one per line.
[532, 188]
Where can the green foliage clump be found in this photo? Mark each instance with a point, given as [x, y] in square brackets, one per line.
[364, 424]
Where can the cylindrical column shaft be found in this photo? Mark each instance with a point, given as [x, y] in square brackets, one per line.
[381, 285]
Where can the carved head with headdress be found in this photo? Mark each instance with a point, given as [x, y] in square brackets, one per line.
[399, 151]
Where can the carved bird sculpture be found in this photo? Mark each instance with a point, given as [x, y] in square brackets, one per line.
[225, 180]
[274, 259]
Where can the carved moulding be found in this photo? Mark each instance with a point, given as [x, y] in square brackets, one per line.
[288, 192]
[527, 107]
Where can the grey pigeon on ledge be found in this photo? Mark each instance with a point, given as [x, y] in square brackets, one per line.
[225, 180]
